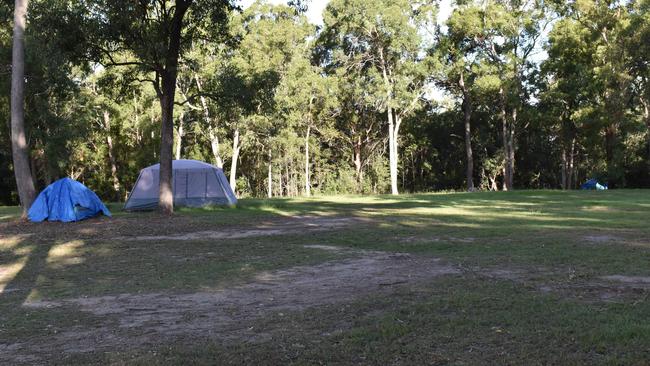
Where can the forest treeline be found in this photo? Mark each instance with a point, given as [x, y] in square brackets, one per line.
[381, 98]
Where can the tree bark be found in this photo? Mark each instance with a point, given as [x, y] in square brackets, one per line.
[572, 155]
[392, 155]
[111, 152]
[358, 164]
[214, 146]
[235, 158]
[166, 93]
[610, 143]
[393, 126]
[181, 132]
[504, 136]
[467, 114]
[166, 195]
[307, 182]
[646, 117]
[19, 146]
[564, 169]
[270, 177]
[510, 161]
[214, 138]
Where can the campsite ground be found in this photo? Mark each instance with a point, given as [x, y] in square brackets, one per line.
[527, 277]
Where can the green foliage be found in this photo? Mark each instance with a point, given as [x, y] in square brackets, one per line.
[286, 86]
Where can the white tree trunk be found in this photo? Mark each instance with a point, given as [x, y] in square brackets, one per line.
[214, 146]
[212, 134]
[235, 158]
[19, 147]
[307, 180]
[181, 132]
[393, 128]
[270, 178]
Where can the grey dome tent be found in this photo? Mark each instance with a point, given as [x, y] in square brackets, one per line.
[194, 183]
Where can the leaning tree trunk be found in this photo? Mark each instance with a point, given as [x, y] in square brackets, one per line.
[166, 94]
[212, 134]
[235, 158]
[19, 146]
[467, 114]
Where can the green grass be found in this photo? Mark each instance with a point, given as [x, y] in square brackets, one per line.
[562, 240]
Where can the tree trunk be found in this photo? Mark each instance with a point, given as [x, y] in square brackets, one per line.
[510, 162]
[564, 169]
[111, 153]
[571, 174]
[504, 136]
[646, 117]
[307, 182]
[19, 146]
[467, 114]
[181, 132]
[610, 143]
[166, 95]
[393, 127]
[357, 163]
[392, 155]
[270, 178]
[235, 158]
[214, 146]
[166, 195]
[214, 139]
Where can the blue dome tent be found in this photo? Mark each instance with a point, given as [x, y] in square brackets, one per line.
[66, 200]
[592, 184]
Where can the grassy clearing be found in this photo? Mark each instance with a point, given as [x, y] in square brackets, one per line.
[530, 289]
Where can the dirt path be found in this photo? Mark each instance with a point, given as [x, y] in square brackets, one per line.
[136, 320]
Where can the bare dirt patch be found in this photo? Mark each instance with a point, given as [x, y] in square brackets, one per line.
[566, 283]
[134, 320]
[294, 225]
[628, 239]
[630, 280]
[602, 238]
[435, 239]
[328, 248]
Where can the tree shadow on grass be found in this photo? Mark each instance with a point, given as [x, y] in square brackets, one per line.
[19, 288]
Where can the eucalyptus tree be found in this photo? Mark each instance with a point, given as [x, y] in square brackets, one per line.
[511, 34]
[461, 58]
[567, 85]
[19, 146]
[637, 34]
[269, 36]
[305, 100]
[155, 34]
[382, 39]
[606, 24]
